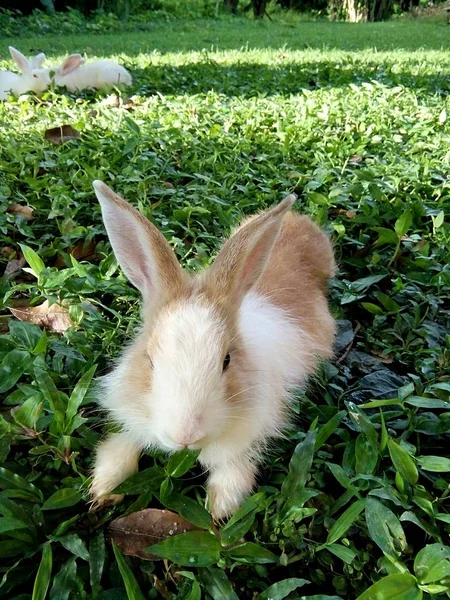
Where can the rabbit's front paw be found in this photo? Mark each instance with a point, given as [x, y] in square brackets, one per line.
[100, 494]
[228, 487]
[117, 458]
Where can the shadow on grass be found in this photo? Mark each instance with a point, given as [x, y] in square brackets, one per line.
[250, 79]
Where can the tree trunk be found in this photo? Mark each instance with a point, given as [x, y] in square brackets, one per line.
[231, 6]
[356, 11]
[259, 8]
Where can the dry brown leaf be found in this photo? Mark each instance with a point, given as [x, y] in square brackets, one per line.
[114, 101]
[134, 533]
[6, 251]
[14, 267]
[54, 318]
[21, 211]
[350, 214]
[82, 251]
[59, 135]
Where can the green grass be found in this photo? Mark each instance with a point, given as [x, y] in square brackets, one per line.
[227, 117]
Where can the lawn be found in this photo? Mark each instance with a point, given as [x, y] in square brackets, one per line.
[226, 117]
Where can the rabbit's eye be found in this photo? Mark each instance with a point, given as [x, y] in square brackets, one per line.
[226, 362]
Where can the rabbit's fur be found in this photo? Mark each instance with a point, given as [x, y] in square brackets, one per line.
[75, 75]
[33, 78]
[261, 307]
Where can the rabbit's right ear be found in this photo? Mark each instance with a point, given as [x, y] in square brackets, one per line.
[21, 61]
[140, 248]
[37, 60]
[71, 63]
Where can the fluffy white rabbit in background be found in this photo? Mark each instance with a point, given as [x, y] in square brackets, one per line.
[219, 353]
[32, 79]
[75, 75]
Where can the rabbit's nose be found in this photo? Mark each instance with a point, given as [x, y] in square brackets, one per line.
[189, 440]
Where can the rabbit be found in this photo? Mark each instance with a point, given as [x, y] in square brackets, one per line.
[75, 75]
[33, 78]
[220, 352]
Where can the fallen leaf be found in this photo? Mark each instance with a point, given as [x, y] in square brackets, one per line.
[54, 318]
[82, 251]
[134, 533]
[6, 251]
[21, 211]
[14, 267]
[59, 135]
[114, 101]
[350, 214]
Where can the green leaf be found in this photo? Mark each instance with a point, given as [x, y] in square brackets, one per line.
[188, 508]
[131, 585]
[180, 462]
[422, 402]
[387, 302]
[372, 308]
[281, 589]
[328, 429]
[403, 462]
[97, 554]
[432, 563]
[33, 259]
[44, 574]
[29, 413]
[366, 455]
[10, 480]
[149, 479]
[10, 524]
[345, 521]
[65, 582]
[299, 467]
[217, 584]
[12, 367]
[340, 475]
[403, 223]
[26, 335]
[399, 586]
[345, 554]
[384, 527]
[74, 544]
[386, 236]
[252, 553]
[78, 394]
[435, 464]
[191, 549]
[62, 498]
[242, 520]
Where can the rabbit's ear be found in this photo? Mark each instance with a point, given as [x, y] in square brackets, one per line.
[21, 61]
[242, 259]
[141, 250]
[71, 63]
[37, 60]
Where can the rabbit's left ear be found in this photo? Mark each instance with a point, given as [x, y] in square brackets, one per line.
[21, 61]
[242, 259]
[72, 62]
[37, 61]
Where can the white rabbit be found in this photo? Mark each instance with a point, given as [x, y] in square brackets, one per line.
[75, 75]
[219, 353]
[33, 78]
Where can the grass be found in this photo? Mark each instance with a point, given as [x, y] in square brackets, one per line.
[227, 117]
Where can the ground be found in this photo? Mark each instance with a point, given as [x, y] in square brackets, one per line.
[226, 117]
